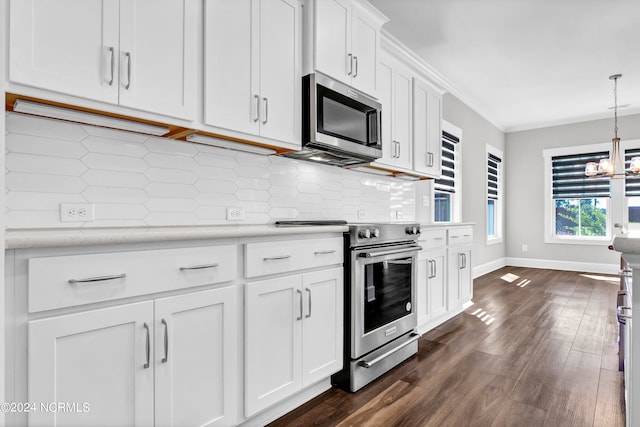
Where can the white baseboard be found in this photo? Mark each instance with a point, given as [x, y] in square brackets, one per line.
[483, 269]
[564, 265]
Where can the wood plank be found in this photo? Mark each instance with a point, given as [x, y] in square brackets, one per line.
[537, 384]
[610, 405]
[386, 407]
[481, 405]
[590, 335]
[516, 414]
[567, 324]
[519, 354]
[504, 337]
[574, 398]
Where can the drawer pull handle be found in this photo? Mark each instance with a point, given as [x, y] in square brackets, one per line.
[200, 267]
[467, 235]
[148, 346]
[276, 258]
[166, 341]
[437, 238]
[97, 279]
[455, 237]
[324, 252]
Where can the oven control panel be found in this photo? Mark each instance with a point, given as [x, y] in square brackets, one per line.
[378, 233]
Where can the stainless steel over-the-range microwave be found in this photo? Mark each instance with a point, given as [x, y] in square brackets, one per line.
[340, 125]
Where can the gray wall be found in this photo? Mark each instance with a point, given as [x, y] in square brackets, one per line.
[525, 188]
[476, 133]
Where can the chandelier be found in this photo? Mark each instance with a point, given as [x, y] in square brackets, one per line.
[607, 167]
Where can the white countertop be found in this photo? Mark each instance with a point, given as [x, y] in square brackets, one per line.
[51, 237]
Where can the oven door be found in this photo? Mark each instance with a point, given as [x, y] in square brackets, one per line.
[383, 296]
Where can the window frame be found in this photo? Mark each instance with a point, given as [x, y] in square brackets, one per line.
[498, 210]
[456, 198]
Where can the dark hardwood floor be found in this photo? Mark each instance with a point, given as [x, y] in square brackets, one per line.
[538, 348]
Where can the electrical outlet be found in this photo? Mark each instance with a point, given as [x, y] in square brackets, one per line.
[525, 248]
[426, 200]
[235, 214]
[77, 212]
[362, 214]
[398, 214]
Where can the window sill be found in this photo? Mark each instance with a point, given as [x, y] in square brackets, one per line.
[579, 241]
[494, 241]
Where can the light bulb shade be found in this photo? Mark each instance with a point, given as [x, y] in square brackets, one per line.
[606, 167]
[591, 169]
[635, 165]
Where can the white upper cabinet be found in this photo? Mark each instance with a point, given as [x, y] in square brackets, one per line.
[346, 41]
[427, 129]
[141, 54]
[395, 82]
[66, 46]
[253, 68]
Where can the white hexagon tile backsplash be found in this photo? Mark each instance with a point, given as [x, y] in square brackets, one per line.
[134, 179]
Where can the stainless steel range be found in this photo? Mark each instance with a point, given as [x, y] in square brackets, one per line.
[380, 318]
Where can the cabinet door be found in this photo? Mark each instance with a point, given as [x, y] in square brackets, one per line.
[401, 113]
[385, 93]
[437, 284]
[322, 326]
[159, 56]
[424, 272]
[101, 357]
[364, 47]
[273, 337]
[454, 265]
[333, 39]
[231, 92]
[67, 46]
[196, 358]
[280, 48]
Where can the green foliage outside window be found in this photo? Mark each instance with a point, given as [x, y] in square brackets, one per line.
[581, 217]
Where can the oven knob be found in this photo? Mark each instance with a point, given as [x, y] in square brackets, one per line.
[365, 234]
[412, 230]
[376, 232]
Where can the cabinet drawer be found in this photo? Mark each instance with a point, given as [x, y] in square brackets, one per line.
[64, 281]
[430, 239]
[290, 255]
[459, 235]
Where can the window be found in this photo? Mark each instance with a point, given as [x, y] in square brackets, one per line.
[580, 202]
[494, 195]
[446, 193]
[632, 192]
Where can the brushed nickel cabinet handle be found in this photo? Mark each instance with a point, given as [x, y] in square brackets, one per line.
[97, 279]
[166, 341]
[148, 345]
[355, 73]
[300, 294]
[113, 64]
[266, 110]
[325, 252]
[128, 56]
[308, 315]
[257, 98]
[350, 62]
[276, 258]
[200, 267]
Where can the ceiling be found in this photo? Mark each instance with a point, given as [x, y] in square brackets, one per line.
[524, 64]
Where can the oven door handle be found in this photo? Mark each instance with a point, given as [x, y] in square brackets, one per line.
[390, 252]
[370, 363]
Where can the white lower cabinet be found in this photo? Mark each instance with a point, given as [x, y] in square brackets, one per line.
[293, 335]
[175, 354]
[444, 277]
